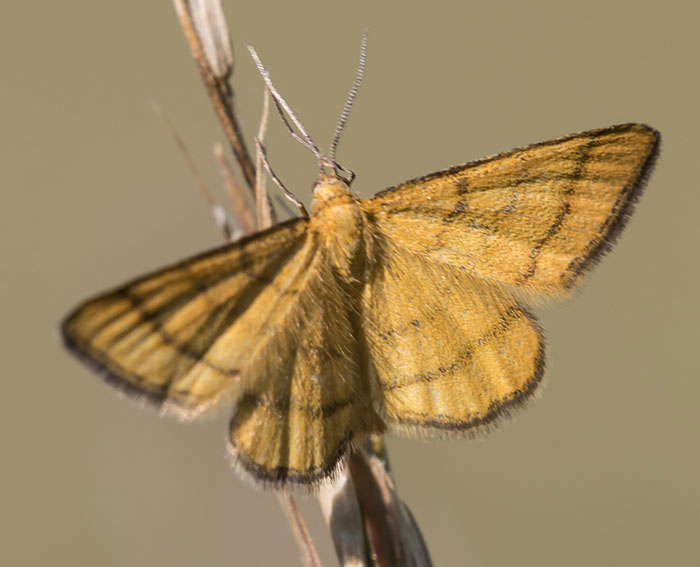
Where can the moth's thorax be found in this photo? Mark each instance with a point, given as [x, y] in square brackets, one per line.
[336, 218]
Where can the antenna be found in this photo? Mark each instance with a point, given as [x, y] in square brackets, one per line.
[305, 139]
[350, 100]
[281, 104]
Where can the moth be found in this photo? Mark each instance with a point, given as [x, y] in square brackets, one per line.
[406, 311]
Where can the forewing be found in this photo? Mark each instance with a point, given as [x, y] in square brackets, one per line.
[307, 398]
[181, 336]
[450, 352]
[534, 218]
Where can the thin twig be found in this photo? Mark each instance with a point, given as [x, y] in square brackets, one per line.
[406, 536]
[217, 210]
[218, 89]
[239, 205]
[262, 201]
[343, 515]
[208, 17]
[309, 554]
[380, 530]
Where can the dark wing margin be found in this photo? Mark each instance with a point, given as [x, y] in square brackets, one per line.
[535, 218]
[308, 399]
[153, 338]
[451, 353]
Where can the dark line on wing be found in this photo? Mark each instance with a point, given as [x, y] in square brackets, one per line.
[228, 312]
[282, 406]
[616, 221]
[456, 170]
[161, 314]
[182, 267]
[199, 287]
[277, 477]
[506, 320]
[498, 409]
[496, 184]
[137, 384]
[548, 177]
[114, 373]
[583, 153]
[167, 338]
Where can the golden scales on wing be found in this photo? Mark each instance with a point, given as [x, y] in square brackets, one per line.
[404, 311]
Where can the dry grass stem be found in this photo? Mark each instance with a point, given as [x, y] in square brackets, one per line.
[262, 207]
[379, 523]
[209, 21]
[411, 547]
[217, 85]
[343, 515]
[218, 212]
[239, 204]
[309, 554]
[392, 534]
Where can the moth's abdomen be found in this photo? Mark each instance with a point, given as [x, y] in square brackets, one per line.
[337, 220]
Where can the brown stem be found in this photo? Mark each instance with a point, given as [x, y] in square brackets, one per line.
[240, 207]
[263, 210]
[382, 536]
[219, 92]
[301, 533]
[218, 212]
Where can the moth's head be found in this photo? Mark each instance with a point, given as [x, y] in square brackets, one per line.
[331, 192]
[329, 187]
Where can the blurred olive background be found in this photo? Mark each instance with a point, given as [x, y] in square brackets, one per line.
[602, 470]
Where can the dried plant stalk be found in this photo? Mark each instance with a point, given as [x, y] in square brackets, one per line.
[218, 212]
[207, 35]
[261, 198]
[343, 514]
[309, 555]
[410, 547]
[239, 205]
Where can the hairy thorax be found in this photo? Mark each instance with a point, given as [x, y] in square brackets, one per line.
[338, 222]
